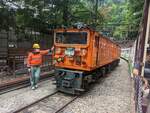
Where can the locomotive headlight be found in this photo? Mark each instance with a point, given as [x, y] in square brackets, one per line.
[69, 52]
[83, 52]
[60, 59]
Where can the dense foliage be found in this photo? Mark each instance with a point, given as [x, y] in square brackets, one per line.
[40, 15]
[125, 17]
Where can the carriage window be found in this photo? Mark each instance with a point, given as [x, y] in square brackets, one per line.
[71, 38]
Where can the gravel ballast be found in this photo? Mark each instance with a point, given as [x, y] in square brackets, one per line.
[112, 94]
[17, 99]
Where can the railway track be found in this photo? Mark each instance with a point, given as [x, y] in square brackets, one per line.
[65, 105]
[45, 101]
[21, 83]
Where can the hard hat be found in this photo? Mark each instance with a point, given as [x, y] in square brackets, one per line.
[36, 46]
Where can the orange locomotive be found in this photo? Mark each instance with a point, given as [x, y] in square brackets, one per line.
[83, 55]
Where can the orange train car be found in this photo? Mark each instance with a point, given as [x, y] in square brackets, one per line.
[82, 56]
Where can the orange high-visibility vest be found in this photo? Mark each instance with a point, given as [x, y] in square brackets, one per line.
[36, 59]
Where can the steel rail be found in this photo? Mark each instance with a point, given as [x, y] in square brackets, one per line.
[35, 102]
[65, 105]
[13, 89]
[17, 86]
[20, 80]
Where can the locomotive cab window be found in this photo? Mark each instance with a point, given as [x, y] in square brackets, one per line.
[71, 38]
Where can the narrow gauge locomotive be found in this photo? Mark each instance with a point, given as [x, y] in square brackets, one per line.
[83, 55]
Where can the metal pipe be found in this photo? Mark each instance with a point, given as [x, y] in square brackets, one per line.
[146, 40]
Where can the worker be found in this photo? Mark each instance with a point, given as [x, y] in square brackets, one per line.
[34, 62]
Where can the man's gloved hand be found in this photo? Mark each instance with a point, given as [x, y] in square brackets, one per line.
[50, 52]
[29, 69]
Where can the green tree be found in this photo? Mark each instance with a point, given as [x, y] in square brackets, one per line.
[7, 16]
[125, 17]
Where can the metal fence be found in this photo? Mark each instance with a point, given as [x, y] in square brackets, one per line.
[141, 46]
[14, 50]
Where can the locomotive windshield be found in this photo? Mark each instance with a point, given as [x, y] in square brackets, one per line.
[71, 37]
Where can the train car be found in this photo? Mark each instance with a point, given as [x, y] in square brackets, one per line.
[82, 55]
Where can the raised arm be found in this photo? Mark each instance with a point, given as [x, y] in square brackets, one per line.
[44, 52]
[49, 51]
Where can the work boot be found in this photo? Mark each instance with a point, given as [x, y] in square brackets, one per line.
[36, 86]
[33, 88]
[54, 82]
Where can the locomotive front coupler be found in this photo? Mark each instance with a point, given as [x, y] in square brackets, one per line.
[69, 81]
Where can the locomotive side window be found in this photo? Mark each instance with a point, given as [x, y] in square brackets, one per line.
[71, 38]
